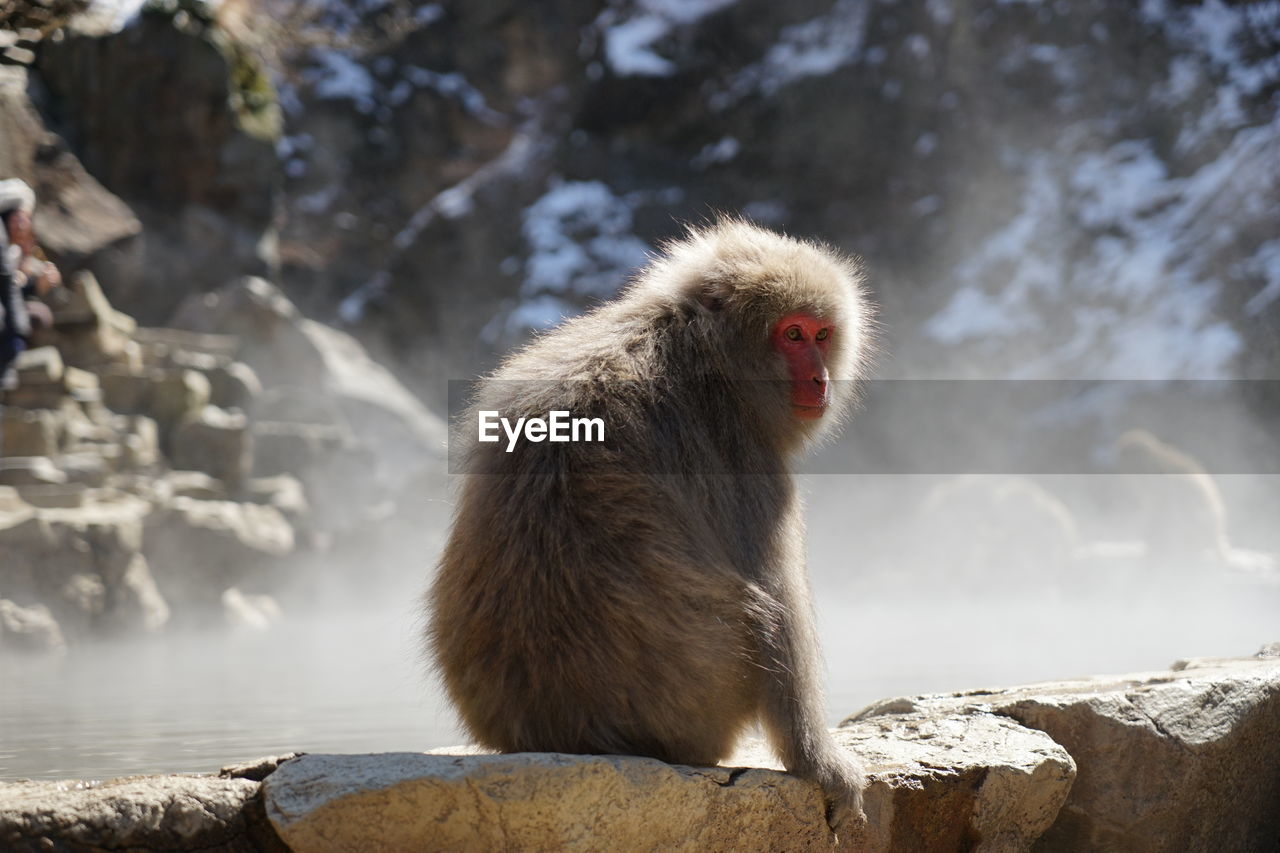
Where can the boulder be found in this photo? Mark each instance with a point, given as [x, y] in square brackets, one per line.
[87, 331]
[316, 374]
[128, 392]
[65, 496]
[178, 396]
[29, 629]
[79, 561]
[205, 185]
[38, 365]
[285, 447]
[80, 223]
[13, 509]
[29, 471]
[233, 385]
[90, 468]
[29, 432]
[935, 785]
[199, 548]
[1182, 760]
[189, 484]
[284, 492]
[175, 813]
[133, 601]
[44, 382]
[140, 446]
[217, 442]
[249, 612]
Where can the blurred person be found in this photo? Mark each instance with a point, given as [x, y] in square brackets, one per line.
[24, 276]
[33, 273]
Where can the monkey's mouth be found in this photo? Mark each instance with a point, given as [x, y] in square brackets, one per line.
[807, 413]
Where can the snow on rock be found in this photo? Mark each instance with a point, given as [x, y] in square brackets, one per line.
[814, 48]
[580, 248]
[631, 31]
[336, 76]
[1114, 262]
[451, 85]
[580, 241]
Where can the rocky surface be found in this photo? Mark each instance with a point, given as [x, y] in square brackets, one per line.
[151, 479]
[1180, 760]
[935, 785]
[178, 813]
[203, 179]
[81, 224]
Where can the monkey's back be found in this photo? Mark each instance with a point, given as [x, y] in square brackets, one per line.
[588, 600]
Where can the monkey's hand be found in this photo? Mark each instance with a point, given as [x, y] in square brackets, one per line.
[842, 780]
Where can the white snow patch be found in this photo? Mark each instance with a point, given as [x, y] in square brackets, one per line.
[580, 241]
[1265, 263]
[453, 85]
[814, 48]
[337, 76]
[630, 34]
[1110, 265]
[628, 47]
[115, 14]
[940, 11]
[716, 152]
[428, 13]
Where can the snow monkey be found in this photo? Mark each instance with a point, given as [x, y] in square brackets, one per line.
[647, 594]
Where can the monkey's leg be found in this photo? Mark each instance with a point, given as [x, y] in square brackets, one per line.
[792, 703]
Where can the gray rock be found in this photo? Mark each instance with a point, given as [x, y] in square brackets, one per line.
[83, 562]
[283, 491]
[67, 496]
[133, 603]
[40, 364]
[234, 385]
[30, 432]
[198, 548]
[90, 467]
[316, 374]
[178, 396]
[190, 484]
[29, 629]
[29, 471]
[935, 785]
[1168, 761]
[88, 332]
[80, 223]
[140, 445]
[293, 448]
[205, 185]
[72, 559]
[217, 442]
[174, 813]
[249, 612]
[128, 392]
[13, 509]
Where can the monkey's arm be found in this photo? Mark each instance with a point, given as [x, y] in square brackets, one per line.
[792, 708]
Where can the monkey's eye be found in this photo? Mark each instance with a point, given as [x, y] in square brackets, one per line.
[822, 335]
[793, 333]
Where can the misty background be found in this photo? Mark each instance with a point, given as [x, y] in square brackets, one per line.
[1042, 192]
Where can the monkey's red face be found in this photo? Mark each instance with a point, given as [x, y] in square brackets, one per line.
[802, 340]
